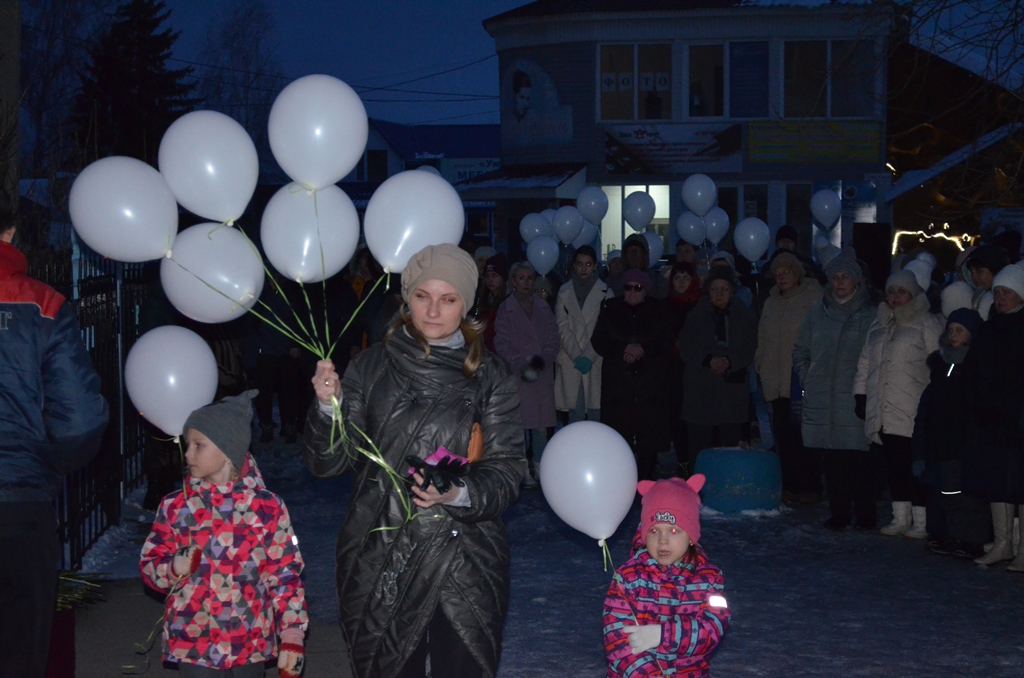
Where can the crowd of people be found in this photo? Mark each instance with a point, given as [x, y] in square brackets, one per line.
[913, 390]
[462, 372]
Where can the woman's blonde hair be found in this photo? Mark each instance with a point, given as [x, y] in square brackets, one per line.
[472, 331]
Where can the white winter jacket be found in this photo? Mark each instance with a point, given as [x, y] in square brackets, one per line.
[575, 325]
[892, 370]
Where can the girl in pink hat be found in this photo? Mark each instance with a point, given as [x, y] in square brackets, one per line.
[665, 610]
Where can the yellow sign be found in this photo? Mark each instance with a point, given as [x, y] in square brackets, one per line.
[817, 141]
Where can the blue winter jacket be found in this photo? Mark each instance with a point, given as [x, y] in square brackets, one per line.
[51, 412]
[825, 357]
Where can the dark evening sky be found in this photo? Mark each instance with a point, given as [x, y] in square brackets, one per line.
[377, 43]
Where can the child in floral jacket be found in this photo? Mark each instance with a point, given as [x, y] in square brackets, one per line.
[224, 552]
[665, 611]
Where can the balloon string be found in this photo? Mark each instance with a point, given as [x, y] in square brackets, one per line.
[229, 223]
[605, 553]
[366, 297]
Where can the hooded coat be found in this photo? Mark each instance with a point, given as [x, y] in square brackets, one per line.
[675, 596]
[710, 399]
[575, 327]
[825, 356]
[780, 321]
[660, 290]
[394, 573]
[893, 366]
[230, 611]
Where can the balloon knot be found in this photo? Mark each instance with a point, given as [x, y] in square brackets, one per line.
[600, 542]
[169, 254]
[309, 193]
[229, 223]
[177, 440]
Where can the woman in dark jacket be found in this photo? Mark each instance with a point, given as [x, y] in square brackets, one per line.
[994, 463]
[633, 338]
[683, 295]
[435, 583]
[717, 345]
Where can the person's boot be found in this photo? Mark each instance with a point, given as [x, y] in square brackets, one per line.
[1002, 526]
[1018, 563]
[918, 528]
[900, 519]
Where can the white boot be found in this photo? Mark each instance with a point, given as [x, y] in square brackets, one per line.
[900, 519]
[918, 530]
[1002, 526]
[1018, 563]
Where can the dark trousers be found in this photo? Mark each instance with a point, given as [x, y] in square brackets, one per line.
[849, 481]
[801, 468]
[681, 442]
[640, 428]
[283, 374]
[28, 585]
[968, 518]
[899, 465]
[248, 671]
[449, 656]
[705, 437]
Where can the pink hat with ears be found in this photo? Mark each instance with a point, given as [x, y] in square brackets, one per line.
[674, 501]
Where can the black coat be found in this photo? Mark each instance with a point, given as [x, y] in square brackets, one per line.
[994, 458]
[618, 325]
[394, 573]
[940, 432]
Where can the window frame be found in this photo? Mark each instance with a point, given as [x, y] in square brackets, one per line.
[829, 78]
[672, 94]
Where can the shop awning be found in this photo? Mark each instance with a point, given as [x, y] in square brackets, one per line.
[915, 178]
[524, 182]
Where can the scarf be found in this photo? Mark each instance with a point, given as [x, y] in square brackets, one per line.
[582, 287]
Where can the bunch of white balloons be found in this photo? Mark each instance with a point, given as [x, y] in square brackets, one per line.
[126, 210]
[569, 225]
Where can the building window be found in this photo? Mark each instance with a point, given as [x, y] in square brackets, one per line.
[636, 82]
[748, 79]
[707, 68]
[810, 92]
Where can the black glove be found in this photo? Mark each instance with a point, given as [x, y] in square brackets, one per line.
[861, 407]
[446, 473]
[531, 372]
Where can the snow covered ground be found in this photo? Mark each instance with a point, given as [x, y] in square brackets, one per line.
[805, 601]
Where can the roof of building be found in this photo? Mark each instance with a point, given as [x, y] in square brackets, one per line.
[556, 7]
[423, 142]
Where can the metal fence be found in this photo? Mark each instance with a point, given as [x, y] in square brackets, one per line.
[106, 296]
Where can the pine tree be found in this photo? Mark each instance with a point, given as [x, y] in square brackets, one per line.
[129, 95]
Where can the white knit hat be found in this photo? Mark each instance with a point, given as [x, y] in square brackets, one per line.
[1011, 277]
[956, 295]
[922, 270]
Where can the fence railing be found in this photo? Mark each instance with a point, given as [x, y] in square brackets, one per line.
[106, 296]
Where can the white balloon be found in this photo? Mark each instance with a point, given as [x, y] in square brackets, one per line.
[310, 237]
[567, 222]
[122, 208]
[542, 253]
[318, 130]
[716, 229]
[549, 214]
[213, 275]
[717, 221]
[655, 248]
[588, 476]
[429, 168]
[751, 238]
[638, 210]
[690, 228]
[533, 225]
[699, 193]
[408, 212]
[592, 203]
[210, 164]
[826, 207]
[586, 236]
[169, 373]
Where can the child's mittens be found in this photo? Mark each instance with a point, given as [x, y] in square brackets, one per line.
[643, 638]
[186, 560]
[291, 654]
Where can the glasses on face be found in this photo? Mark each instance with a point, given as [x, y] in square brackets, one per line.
[633, 287]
